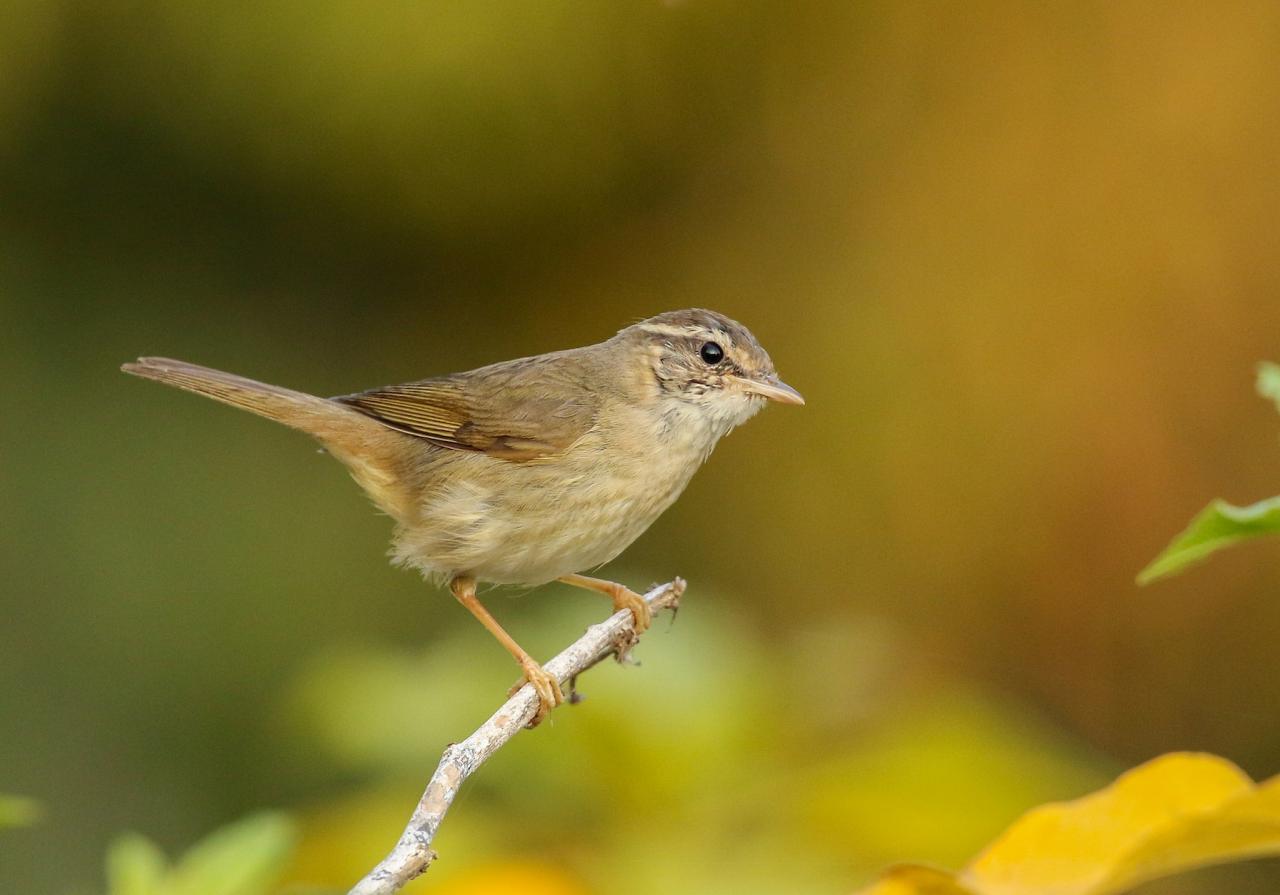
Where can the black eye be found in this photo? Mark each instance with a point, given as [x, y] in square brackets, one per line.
[712, 353]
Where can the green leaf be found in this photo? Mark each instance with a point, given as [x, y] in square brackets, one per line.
[1269, 382]
[17, 811]
[244, 858]
[135, 866]
[1219, 525]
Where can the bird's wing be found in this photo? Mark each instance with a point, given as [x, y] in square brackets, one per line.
[519, 411]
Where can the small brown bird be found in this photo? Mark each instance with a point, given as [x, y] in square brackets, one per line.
[530, 470]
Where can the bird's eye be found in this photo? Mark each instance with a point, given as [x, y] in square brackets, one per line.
[711, 353]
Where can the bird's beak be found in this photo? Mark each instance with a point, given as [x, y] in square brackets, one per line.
[770, 387]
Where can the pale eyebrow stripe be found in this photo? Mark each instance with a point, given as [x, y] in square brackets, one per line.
[661, 329]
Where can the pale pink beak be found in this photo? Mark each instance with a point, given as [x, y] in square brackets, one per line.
[770, 387]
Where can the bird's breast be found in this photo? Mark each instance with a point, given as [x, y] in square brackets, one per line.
[528, 523]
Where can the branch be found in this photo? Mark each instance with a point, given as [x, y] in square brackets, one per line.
[412, 854]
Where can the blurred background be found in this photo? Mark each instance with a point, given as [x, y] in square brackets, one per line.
[1021, 260]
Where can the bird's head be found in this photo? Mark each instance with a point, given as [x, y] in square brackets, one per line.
[704, 360]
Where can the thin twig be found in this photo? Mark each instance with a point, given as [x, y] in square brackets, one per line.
[413, 853]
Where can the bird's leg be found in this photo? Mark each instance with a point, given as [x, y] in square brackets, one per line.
[623, 597]
[548, 688]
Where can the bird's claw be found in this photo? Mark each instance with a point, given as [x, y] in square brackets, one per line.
[641, 614]
[545, 685]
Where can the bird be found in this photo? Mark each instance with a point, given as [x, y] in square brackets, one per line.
[532, 470]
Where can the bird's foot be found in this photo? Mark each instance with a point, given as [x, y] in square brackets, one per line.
[545, 685]
[625, 598]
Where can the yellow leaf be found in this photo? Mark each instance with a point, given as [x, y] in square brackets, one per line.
[913, 880]
[525, 877]
[341, 840]
[938, 781]
[1172, 814]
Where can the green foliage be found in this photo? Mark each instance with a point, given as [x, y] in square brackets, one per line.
[1219, 525]
[1269, 382]
[696, 748]
[941, 777]
[16, 811]
[136, 866]
[244, 858]
[1222, 524]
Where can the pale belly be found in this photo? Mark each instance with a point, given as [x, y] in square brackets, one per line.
[531, 523]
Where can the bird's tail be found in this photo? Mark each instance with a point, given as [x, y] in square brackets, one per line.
[326, 420]
[375, 454]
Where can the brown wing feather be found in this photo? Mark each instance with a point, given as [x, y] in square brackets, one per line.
[520, 410]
